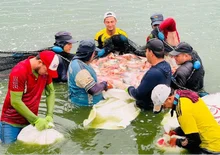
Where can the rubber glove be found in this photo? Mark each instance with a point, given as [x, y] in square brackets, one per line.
[50, 122]
[172, 142]
[123, 38]
[172, 132]
[101, 52]
[49, 119]
[41, 124]
[109, 85]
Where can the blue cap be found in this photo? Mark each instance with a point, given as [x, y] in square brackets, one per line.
[156, 19]
[64, 36]
[85, 49]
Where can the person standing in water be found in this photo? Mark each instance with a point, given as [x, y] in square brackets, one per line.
[27, 81]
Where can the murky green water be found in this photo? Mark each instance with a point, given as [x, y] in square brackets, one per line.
[31, 25]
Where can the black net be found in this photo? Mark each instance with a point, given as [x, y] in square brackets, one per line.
[8, 59]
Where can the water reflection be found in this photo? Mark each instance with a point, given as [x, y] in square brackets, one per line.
[146, 126]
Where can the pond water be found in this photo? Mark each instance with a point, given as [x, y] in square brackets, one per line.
[31, 25]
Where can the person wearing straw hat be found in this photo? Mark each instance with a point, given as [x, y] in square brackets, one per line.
[197, 124]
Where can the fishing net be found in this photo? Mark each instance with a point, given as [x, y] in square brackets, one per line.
[116, 44]
[8, 59]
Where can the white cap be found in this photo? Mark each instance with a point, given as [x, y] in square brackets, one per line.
[159, 95]
[109, 14]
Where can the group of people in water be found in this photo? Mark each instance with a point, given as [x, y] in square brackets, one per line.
[179, 88]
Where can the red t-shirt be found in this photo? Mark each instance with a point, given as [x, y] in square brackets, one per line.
[22, 79]
[168, 25]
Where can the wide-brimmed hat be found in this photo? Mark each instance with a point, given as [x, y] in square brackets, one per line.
[64, 36]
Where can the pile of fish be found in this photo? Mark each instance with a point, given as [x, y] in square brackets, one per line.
[121, 70]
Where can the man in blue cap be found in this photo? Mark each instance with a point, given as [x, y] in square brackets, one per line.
[159, 73]
[156, 19]
[83, 87]
[164, 30]
[64, 41]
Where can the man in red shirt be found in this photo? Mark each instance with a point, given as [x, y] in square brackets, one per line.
[27, 81]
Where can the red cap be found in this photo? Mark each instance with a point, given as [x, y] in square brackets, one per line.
[51, 60]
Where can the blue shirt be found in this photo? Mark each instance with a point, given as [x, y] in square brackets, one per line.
[81, 78]
[158, 74]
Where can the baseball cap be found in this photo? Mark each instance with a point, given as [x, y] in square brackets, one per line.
[51, 60]
[109, 14]
[86, 48]
[182, 47]
[156, 19]
[159, 95]
[155, 45]
[64, 36]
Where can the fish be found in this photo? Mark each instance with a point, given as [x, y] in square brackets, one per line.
[121, 70]
[124, 70]
[163, 144]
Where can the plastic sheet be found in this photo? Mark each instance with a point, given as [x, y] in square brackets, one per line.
[31, 135]
[116, 112]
